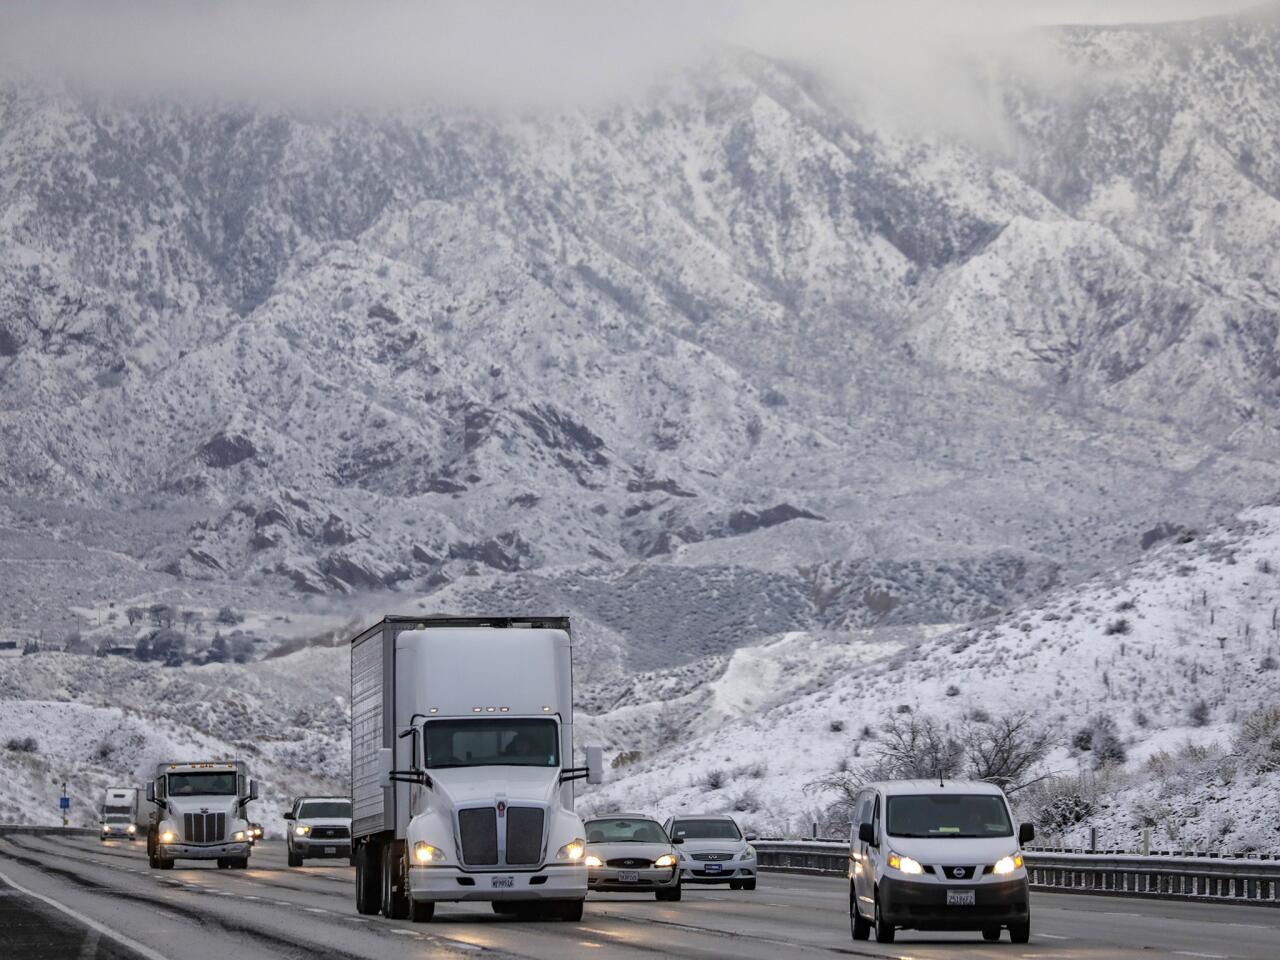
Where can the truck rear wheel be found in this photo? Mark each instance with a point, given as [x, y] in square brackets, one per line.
[368, 877]
[570, 910]
[223, 863]
[395, 903]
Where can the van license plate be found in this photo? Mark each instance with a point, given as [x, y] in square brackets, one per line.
[503, 882]
[714, 868]
[961, 898]
[628, 876]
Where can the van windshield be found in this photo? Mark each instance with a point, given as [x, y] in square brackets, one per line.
[202, 784]
[497, 742]
[948, 815]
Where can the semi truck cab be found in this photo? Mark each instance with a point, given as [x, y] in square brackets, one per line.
[200, 813]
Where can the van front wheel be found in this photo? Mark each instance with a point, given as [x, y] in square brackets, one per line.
[860, 928]
[885, 932]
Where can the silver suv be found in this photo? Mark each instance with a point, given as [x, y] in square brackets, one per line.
[713, 850]
[319, 827]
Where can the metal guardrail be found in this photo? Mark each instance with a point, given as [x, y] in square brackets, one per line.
[1200, 877]
[8, 828]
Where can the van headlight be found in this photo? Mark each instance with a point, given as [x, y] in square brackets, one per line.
[666, 860]
[573, 850]
[1006, 865]
[905, 864]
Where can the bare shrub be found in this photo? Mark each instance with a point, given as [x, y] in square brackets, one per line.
[626, 758]
[1005, 750]
[1119, 626]
[22, 744]
[1258, 740]
[746, 802]
[715, 779]
[1199, 713]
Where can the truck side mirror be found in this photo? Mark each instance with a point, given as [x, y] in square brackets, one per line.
[1026, 833]
[289, 815]
[253, 789]
[151, 791]
[386, 763]
[867, 833]
[595, 765]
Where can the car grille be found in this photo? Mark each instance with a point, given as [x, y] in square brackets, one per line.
[630, 862]
[524, 835]
[954, 873]
[712, 857]
[204, 827]
[478, 829]
[330, 833]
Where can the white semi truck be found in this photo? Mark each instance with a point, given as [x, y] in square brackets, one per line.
[462, 766]
[200, 813]
[118, 815]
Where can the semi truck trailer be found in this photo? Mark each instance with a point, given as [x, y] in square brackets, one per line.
[200, 813]
[462, 767]
[118, 815]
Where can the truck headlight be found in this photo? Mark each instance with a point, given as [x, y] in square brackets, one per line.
[131, 828]
[426, 853]
[573, 850]
[666, 860]
[301, 830]
[168, 836]
[905, 864]
[238, 836]
[1006, 865]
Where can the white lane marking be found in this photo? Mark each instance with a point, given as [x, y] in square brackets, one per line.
[1211, 956]
[89, 922]
[1052, 936]
[315, 910]
[404, 933]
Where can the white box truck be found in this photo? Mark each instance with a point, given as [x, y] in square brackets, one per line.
[200, 813]
[462, 766]
[118, 815]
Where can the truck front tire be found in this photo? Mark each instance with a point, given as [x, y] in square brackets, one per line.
[294, 859]
[368, 877]
[395, 901]
[570, 910]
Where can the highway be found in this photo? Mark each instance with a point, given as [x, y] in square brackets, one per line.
[64, 896]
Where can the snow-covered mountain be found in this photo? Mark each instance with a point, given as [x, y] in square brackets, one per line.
[721, 364]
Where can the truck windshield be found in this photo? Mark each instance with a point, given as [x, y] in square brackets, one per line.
[948, 815]
[496, 742]
[117, 811]
[202, 784]
[335, 809]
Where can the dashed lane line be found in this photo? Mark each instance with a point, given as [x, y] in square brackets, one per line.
[94, 925]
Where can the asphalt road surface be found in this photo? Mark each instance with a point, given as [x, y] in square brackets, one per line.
[74, 897]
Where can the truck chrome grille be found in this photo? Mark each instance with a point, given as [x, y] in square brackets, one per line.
[204, 827]
[478, 829]
[524, 835]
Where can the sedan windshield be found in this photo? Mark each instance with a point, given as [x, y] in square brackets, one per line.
[202, 784]
[332, 809]
[625, 831]
[706, 830]
[496, 742]
[948, 815]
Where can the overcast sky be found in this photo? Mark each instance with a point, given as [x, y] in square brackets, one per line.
[518, 53]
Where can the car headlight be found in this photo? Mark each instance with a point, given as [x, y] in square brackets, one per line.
[905, 864]
[426, 853]
[238, 836]
[1007, 865]
[301, 830]
[666, 860]
[573, 850]
[593, 861]
[168, 836]
[749, 853]
[131, 828]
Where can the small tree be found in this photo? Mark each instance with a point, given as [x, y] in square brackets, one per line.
[1199, 713]
[1004, 750]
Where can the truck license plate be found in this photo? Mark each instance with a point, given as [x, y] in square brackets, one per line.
[960, 898]
[628, 876]
[330, 851]
[714, 868]
[502, 882]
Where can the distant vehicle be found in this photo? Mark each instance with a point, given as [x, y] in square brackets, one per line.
[632, 853]
[200, 813]
[930, 855]
[462, 775]
[255, 833]
[118, 815]
[318, 827]
[713, 850]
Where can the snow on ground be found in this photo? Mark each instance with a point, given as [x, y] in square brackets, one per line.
[1189, 622]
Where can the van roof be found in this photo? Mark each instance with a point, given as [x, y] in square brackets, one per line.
[892, 788]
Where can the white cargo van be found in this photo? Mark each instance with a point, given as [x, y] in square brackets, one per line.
[937, 855]
[462, 766]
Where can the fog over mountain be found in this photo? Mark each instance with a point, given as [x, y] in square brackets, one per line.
[741, 345]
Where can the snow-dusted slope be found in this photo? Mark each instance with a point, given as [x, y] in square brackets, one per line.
[1191, 622]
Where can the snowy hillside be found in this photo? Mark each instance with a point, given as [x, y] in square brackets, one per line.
[1176, 651]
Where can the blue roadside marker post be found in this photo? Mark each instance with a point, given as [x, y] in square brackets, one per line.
[64, 803]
